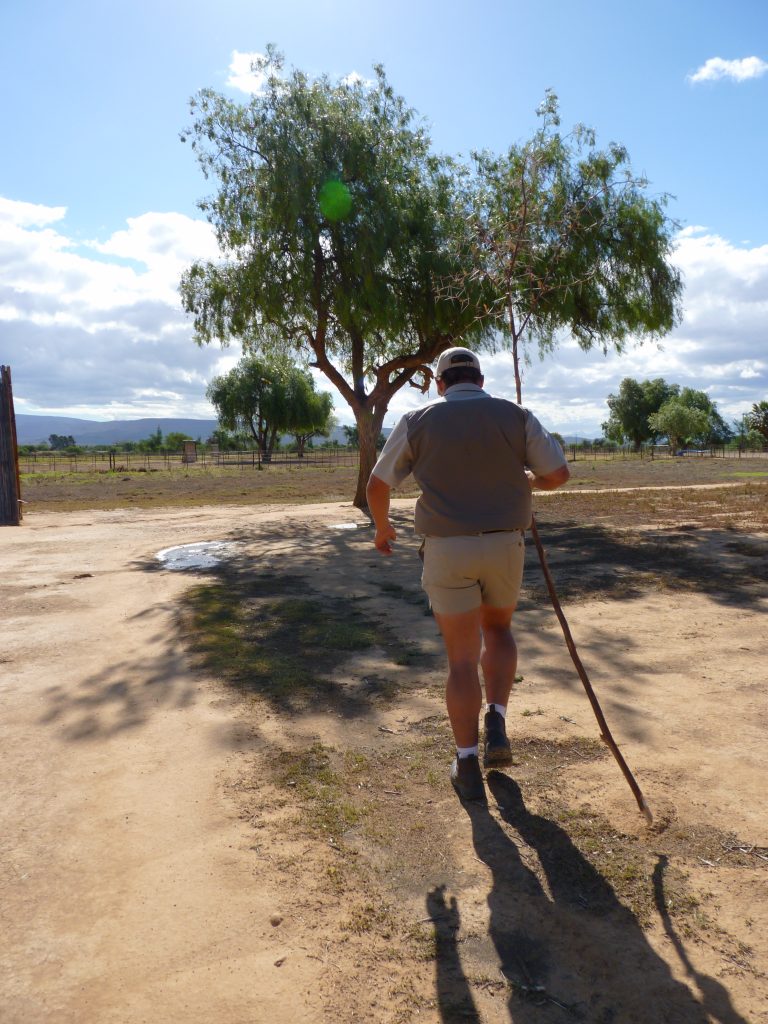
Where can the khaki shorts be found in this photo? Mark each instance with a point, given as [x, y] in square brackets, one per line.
[462, 573]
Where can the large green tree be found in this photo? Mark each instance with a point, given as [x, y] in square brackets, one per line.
[757, 419]
[680, 423]
[309, 413]
[250, 397]
[336, 225]
[269, 397]
[717, 430]
[632, 406]
[568, 241]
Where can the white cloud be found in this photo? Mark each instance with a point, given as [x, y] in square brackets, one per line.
[83, 332]
[737, 70]
[165, 243]
[355, 78]
[26, 215]
[242, 75]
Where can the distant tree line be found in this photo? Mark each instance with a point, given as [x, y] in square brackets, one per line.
[644, 412]
[255, 402]
[173, 441]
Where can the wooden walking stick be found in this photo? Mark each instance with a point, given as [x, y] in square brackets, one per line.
[605, 732]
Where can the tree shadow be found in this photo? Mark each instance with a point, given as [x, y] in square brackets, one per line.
[563, 941]
[283, 617]
[591, 561]
[274, 637]
[122, 697]
[334, 575]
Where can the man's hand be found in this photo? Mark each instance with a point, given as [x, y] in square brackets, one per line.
[384, 536]
[377, 493]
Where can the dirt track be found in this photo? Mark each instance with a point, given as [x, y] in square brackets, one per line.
[141, 874]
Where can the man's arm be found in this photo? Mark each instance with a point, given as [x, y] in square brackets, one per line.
[377, 493]
[549, 481]
[543, 453]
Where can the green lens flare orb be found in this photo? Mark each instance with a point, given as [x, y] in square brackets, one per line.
[335, 200]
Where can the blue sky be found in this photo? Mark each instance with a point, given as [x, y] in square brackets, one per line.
[98, 211]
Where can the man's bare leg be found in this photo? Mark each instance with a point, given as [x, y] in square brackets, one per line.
[499, 657]
[463, 696]
[499, 664]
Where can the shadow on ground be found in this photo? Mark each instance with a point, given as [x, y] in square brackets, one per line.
[125, 695]
[299, 600]
[567, 949]
[297, 617]
[591, 561]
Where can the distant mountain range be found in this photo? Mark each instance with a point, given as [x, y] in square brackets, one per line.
[37, 429]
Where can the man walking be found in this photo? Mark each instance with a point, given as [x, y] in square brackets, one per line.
[475, 459]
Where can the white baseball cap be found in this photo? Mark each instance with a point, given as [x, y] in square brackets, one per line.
[456, 357]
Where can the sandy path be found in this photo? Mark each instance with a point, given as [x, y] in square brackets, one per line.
[132, 890]
[129, 892]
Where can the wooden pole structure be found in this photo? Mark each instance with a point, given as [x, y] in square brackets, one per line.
[10, 481]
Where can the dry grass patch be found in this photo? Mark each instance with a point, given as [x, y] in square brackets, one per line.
[270, 637]
[67, 492]
[735, 508]
[382, 812]
[209, 485]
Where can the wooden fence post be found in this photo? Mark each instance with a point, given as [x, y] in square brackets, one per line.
[10, 482]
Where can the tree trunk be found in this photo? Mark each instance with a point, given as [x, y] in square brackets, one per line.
[368, 430]
[270, 436]
[515, 335]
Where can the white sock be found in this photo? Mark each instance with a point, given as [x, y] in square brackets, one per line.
[467, 751]
[501, 708]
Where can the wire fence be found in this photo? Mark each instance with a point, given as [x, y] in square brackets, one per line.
[663, 451]
[120, 462]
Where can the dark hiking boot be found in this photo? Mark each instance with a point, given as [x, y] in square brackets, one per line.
[467, 779]
[497, 752]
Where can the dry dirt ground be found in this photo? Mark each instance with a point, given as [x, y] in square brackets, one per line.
[226, 796]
